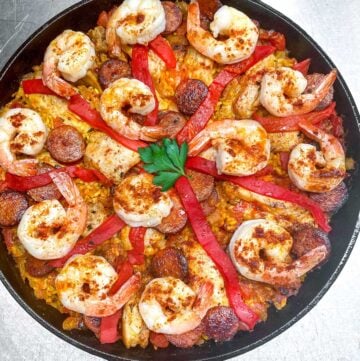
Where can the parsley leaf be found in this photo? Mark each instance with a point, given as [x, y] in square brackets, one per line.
[166, 161]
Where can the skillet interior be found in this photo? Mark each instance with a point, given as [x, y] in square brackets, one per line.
[344, 222]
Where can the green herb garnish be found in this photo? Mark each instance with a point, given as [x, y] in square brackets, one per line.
[166, 161]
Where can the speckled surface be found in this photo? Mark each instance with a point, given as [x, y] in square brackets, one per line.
[331, 331]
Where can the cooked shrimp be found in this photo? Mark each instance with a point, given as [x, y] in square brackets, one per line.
[126, 96]
[240, 32]
[282, 92]
[260, 250]
[135, 22]
[139, 203]
[46, 230]
[314, 171]
[242, 146]
[169, 306]
[84, 282]
[71, 55]
[21, 131]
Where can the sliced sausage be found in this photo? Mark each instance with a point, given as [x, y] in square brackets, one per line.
[170, 262]
[159, 340]
[12, 207]
[202, 184]
[331, 201]
[112, 70]
[66, 144]
[189, 95]
[93, 324]
[187, 339]
[49, 191]
[209, 205]
[36, 267]
[313, 82]
[172, 122]
[306, 238]
[221, 323]
[173, 17]
[209, 7]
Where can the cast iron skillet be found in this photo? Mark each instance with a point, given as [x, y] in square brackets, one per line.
[83, 16]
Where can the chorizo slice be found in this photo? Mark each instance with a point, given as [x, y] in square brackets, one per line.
[187, 339]
[202, 184]
[36, 267]
[66, 144]
[173, 17]
[170, 262]
[13, 205]
[172, 122]
[209, 205]
[208, 8]
[112, 70]
[221, 323]
[189, 95]
[49, 191]
[313, 81]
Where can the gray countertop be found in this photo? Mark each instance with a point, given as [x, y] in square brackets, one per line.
[331, 331]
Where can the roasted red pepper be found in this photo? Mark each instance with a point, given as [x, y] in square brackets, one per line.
[207, 239]
[268, 189]
[106, 230]
[136, 236]
[125, 271]
[83, 109]
[288, 124]
[303, 66]
[158, 340]
[274, 38]
[36, 86]
[140, 71]
[164, 51]
[199, 119]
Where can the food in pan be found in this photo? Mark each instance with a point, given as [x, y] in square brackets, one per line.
[170, 174]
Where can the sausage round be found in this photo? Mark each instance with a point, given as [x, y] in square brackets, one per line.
[173, 16]
[221, 323]
[187, 339]
[331, 201]
[172, 122]
[12, 207]
[49, 191]
[202, 184]
[208, 8]
[170, 262]
[209, 205]
[66, 144]
[112, 70]
[313, 82]
[189, 95]
[36, 267]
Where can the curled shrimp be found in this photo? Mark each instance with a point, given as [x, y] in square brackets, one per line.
[135, 21]
[260, 250]
[314, 171]
[21, 131]
[84, 282]
[242, 146]
[46, 230]
[70, 55]
[169, 306]
[282, 92]
[123, 98]
[240, 32]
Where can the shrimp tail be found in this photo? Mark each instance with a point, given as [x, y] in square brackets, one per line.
[153, 133]
[24, 167]
[204, 298]
[199, 143]
[66, 187]
[310, 260]
[322, 90]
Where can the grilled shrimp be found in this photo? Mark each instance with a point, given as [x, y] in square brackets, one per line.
[242, 146]
[139, 203]
[260, 250]
[84, 282]
[70, 55]
[46, 230]
[240, 32]
[124, 97]
[21, 131]
[169, 306]
[135, 21]
[282, 92]
[314, 171]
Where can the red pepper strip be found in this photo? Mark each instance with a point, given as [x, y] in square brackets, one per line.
[258, 186]
[125, 271]
[83, 109]
[136, 255]
[199, 119]
[288, 124]
[210, 244]
[36, 86]
[109, 328]
[274, 38]
[140, 71]
[158, 340]
[284, 160]
[23, 184]
[106, 230]
[303, 66]
[164, 51]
